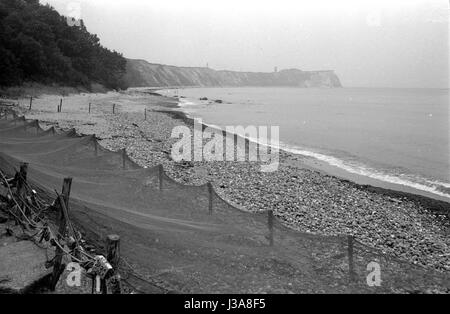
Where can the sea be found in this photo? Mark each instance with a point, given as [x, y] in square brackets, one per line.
[391, 137]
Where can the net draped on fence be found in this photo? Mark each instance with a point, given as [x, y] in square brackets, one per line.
[187, 238]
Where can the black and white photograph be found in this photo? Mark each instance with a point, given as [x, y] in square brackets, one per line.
[230, 155]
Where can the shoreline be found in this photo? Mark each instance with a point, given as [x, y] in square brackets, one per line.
[372, 178]
[411, 227]
[430, 200]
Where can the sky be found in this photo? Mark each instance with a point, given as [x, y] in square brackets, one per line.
[368, 43]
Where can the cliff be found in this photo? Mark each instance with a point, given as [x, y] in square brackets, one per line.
[140, 73]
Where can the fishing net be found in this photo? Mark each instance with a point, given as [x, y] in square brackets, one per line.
[187, 238]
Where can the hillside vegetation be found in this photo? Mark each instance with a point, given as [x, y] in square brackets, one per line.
[38, 45]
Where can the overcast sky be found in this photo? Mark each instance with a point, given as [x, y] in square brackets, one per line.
[381, 43]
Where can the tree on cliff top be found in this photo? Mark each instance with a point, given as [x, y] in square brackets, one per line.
[37, 44]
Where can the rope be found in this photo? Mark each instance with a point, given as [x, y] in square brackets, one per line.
[17, 204]
[52, 234]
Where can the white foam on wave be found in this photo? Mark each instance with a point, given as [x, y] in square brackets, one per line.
[419, 183]
[423, 184]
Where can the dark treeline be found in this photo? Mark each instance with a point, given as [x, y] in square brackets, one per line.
[38, 45]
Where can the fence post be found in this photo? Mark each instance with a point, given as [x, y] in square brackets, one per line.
[124, 156]
[22, 176]
[113, 250]
[113, 257]
[114, 108]
[95, 145]
[270, 225]
[31, 103]
[145, 114]
[89, 107]
[60, 105]
[160, 176]
[21, 181]
[351, 265]
[210, 198]
[63, 199]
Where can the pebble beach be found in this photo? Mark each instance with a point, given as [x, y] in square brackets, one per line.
[411, 227]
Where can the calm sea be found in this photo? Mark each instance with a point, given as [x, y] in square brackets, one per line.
[399, 136]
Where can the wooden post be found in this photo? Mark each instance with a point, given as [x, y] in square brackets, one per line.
[37, 127]
[67, 185]
[210, 198]
[31, 102]
[270, 225]
[161, 176]
[113, 250]
[58, 268]
[21, 191]
[114, 108]
[60, 105]
[145, 114]
[95, 145]
[124, 156]
[351, 265]
[22, 176]
[89, 107]
[113, 257]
